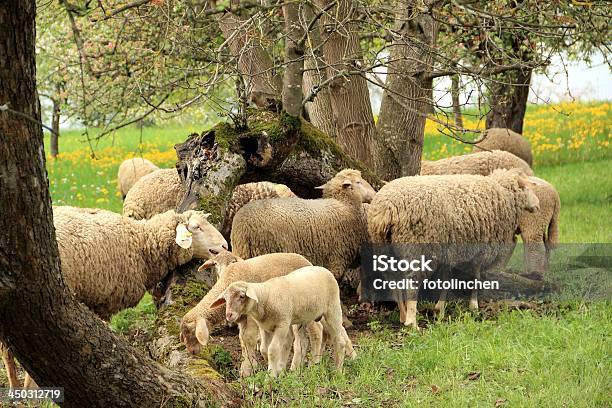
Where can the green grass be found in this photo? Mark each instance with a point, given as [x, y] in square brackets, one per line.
[519, 359]
[522, 358]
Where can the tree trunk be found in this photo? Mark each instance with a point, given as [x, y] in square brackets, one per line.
[55, 125]
[319, 110]
[254, 63]
[294, 60]
[508, 95]
[407, 97]
[350, 98]
[456, 102]
[58, 340]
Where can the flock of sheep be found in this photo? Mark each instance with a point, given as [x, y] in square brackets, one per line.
[279, 283]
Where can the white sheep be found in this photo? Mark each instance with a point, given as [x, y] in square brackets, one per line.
[507, 140]
[155, 193]
[201, 319]
[132, 170]
[483, 163]
[306, 295]
[328, 231]
[466, 212]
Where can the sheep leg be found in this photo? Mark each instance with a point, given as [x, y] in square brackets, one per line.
[276, 349]
[473, 305]
[332, 323]
[266, 337]
[349, 350]
[248, 332]
[441, 303]
[411, 307]
[300, 346]
[315, 338]
[11, 369]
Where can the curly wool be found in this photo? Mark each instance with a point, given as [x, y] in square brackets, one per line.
[109, 261]
[507, 140]
[482, 163]
[327, 231]
[245, 193]
[458, 209]
[154, 193]
[130, 171]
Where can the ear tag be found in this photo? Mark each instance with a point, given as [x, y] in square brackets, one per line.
[183, 236]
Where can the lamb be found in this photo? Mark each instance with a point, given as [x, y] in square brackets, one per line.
[132, 170]
[109, 261]
[328, 231]
[461, 210]
[303, 296]
[483, 163]
[153, 194]
[201, 319]
[507, 140]
[245, 193]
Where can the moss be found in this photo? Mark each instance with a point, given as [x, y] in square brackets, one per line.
[219, 359]
[215, 205]
[184, 297]
[226, 135]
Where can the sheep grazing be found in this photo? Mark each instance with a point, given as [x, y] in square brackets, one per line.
[483, 163]
[245, 193]
[153, 194]
[507, 140]
[328, 231]
[201, 319]
[132, 170]
[109, 261]
[453, 209]
[306, 295]
[540, 230]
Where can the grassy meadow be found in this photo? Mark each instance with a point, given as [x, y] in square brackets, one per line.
[549, 357]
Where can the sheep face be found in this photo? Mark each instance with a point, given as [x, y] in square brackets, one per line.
[349, 180]
[239, 299]
[194, 335]
[532, 203]
[220, 262]
[206, 240]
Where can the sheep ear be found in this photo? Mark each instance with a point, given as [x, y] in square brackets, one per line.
[321, 187]
[219, 302]
[201, 331]
[183, 236]
[206, 215]
[346, 183]
[525, 183]
[208, 264]
[250, 293]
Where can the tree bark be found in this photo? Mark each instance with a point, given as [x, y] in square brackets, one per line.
[407, 97]
[319, 110]
[57, 340]
[350, 98]
[456, 102]
[294, 60]
[55, 125]
[508, 100]
[254, 63]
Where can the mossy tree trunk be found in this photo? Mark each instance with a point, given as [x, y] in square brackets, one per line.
[56, 339]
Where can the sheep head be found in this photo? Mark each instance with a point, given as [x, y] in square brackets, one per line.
[348, 182]
[197, 233]
[220, 262]
[239, 299]
[194, 334]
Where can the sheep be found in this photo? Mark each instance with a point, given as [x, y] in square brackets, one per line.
[507, 140]
[132, 170]
[109, 261]
[303, 296]
[482, 163]
[327, 231]
[245, 193]
[457, 210]
[153, 194]
[201, 319]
